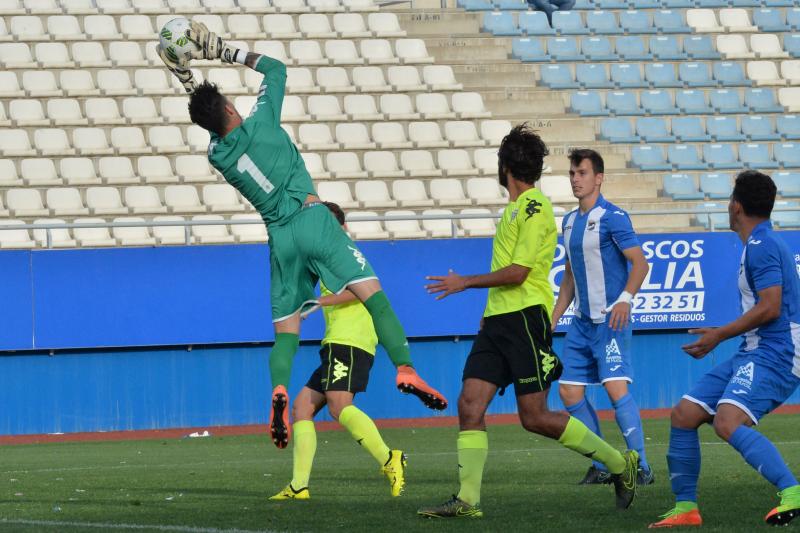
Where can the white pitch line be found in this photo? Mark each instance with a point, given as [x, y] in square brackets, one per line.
[140, 527]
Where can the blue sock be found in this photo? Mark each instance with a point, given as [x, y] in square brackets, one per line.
[762, 455]
[630, 423]
[584, 412]
[683, 460]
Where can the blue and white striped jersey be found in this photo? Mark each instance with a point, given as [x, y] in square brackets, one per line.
[594, 242]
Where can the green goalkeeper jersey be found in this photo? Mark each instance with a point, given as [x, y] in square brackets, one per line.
[259, 158]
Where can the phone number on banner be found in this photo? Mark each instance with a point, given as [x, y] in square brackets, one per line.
[668, 302]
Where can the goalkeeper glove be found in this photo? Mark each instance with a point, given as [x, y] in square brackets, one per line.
[180, 70]
[211, 46]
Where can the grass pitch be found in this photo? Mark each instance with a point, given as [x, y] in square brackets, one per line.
[216, 484]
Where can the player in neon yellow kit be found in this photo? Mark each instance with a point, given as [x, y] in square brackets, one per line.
[347, 354]
[258, 157]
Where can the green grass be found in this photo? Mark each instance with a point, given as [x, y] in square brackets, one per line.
[530, 484]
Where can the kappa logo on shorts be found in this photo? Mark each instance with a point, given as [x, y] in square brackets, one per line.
[548, 363]
[612, 348]
[744, 375]
[359, 257]
[340, 370]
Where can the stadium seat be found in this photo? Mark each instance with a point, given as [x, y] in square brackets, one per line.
[468, 105]
[227, 79]
[314, 166]
[500, 23]
[245, 233]
[315, 26]
[381, 24]
[8, 174]
[734, 47]
[790, 70]
[730, 74]
[27, 112]
[274, 49]
[54, 142]
[244, 26]
[411, 51]
[101, 28]
[16, 55]
[767, 46]
[334, 80]
[115, 82]
[365, 229]
[183, 199]
[221, 197]
[598, 49]
[59, 237]
[9, 85]
[39, 172]
[171, 234]
[103, 111]
[316, 137]
[485, 191]
[390, 135]
[787, 154]
[716, 186]
[194, 169]
[695, 74]
[373, 194]
[788, 184]
[786, 214]
[587, 104]
[141, 110]
[440, 78]
[411, 193]
[761, 101]
[434, 106]
[661, 75]
[155, 169]
[703, 21]
[105, 201]
[564, 49]
[627, 76]
[485, 160]
[343, 52]
[405, 78]
[130, 140]
[404, 229]
[670, 21]
[658, 102]
[15, 142]
[27, 28]
[345, 165]
[665, 48]
[720, 156]
[325, 108]
[727, 101]
[382, 164]
[636, 22]
[592, 76]
[535, 23]
[558, 77]
[354, 135]
[623, 103]
[125, 54]
[280, 26]
[298, 80]
[134, 235]
[475, 5]
[15, 238]
[759, 128]
[756, 156]
[211, 233]
[448, 192]
[307, 53]
[633, 48]
[646, 4]
[689, 129]
[92, 54]
[618, 130]
[724, 129]
[378, 52]
[418, 164]
[426, 135]
[717, 220]
[370, 79]
[764, 73]
[78, 171]
[788, 126]
[789, 97]
[52, 55]
[440, 227]
[478, 227]
[791, 43]
[25, 203]
[143, 199]
[736, 20]
[649, 158]
[685, 157]
[116, 171]
[557, 189]
[65, 28]
[601, 22]
[455, 163]
[768, 19]
[681, 187]
[493, 131]
[653, 130]
[700, 47]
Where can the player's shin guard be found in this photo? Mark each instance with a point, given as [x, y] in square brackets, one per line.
[584, 412]
[280, 358]
[305, 447]
[762, 455]
[363, 430]
[630, 423]
[578, 438]
[473, 447]
[388, 328]
[683, 460]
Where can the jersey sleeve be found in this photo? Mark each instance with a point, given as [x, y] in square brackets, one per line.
[764, 264]
[270, 93]
[621, 228]
[531, 231]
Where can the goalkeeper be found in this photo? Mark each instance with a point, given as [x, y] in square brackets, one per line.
[258, 158]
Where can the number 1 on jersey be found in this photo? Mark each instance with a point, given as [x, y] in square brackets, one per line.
[245, 165]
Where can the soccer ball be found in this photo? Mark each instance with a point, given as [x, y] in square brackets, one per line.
[176, 45]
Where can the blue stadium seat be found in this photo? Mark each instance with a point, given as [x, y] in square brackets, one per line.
[649, 158]
[602, 23]
[526, 49]
[689, 129]
[778, 3]
[727, 101]
[627, 76]
[762, 101]
[692, 102]
[695, 74]
[756, 156]
[535, 23]
[792, 17]
[511, 5]
[669, 21]
[646, 4]
[592, 76]
[681, 186]
[711, 4]
[476, 5]
[720, 156]
[587, 104]
[714, 220]
[666, 48]
[564, 49]
[791, 43]
[584, 4]
[759, 128]
[716, 186]
[612, 4]
[661, 75]
[729, 74]
[623, 103]
[618, 130]
[598, 49]
[569, 23]
[678, 4]
[788, 154]
[658, 102]
[768, 19]
[637, 22]
[558, 77]
[788, 183]
[684, 157]
[632, 48]
[500, 23]
[700, 47]
[724, 129]
[788, 127]
[784, 218]
[653, 130]
[745, 3]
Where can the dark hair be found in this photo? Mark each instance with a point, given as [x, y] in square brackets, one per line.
[755, 192]
[522, 154]
[577, 155]
[207, 108]
[336, 210]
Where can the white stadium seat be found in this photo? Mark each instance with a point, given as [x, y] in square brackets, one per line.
[734, 47]
[345, 165]
[9, 85]
[390, 135]
[249, 232]
[59, 237]
[141, 110]
[133, 236]
[66, 201]
[382, 164]
[105, 201]
[28, 28]
[365, 229]
[342, 52]
[478, 227]
[316, 137]
[434, 106]
[8, 174]
[440, 227]
[764, 73]
[373, 194]
[370, 80]
[15, 142]
[221, 197]
[39, 173]
[115, 82]
[314, 166]
[334, 80]
[90, 237]
[169, 139]
[73, 82]
[557, 189]
[353, 135]
[92, 54]
[27, 112]
[486, 191]
[703, 21]
[327, 6]
[79, 7]
[462, 134]
[493, 131]
[398, 107]
[448, 191]
[153, 7]
[117, 171]
[183, 199]
[127, 54]
[325, 108]
[789, 97]
[281, 27]
[790, 70]
[16, 55]
[736, 20]
[362, 107]
[213, 23]
[256, 6]
[293, 110]
[143, 199]
[411, 193]
[175, 109]
[405, 78]
[385, 25]
[469, 105]
[419, 163]
[152, 81]
[273, 49]
[315, 26]
[291, 6]
[103, 111]
[426, 135]
[15, 238]
[767, 45]
[455, 163]
[101, 28]
[130, 140]
[91, 141]
[300, 80]
[41, 7]
[78, 171]
[137, 27]
[65, 112]
[26, 203]
[227, 79]
[378, 52]
[53, 55]
[440, 78]
[54, 141]
[412, 51]
[114, 7]
[404, 229]
[350, 26]
[337, 192]
[155, 169]
[170, 234]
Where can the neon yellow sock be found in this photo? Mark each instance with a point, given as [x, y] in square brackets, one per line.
[473, 447]
[363, 430]
[579, 438]
[305, 446]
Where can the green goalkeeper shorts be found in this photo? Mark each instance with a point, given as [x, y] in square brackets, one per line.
[309, 247]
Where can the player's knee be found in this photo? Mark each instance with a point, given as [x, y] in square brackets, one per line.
[684, 417]
[470, 412]
[302, 412]
[725, 426]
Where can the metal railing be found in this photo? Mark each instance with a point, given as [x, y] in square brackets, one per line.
[453, 218]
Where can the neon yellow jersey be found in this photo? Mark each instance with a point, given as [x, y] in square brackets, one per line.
[526, 236]
[349, 324]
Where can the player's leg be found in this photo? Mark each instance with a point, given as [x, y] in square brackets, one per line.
[287, 340]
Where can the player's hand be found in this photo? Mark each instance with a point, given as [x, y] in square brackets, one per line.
[211, 46]
[446, 285]
[709, 339]
[179, 69]
[620, 316]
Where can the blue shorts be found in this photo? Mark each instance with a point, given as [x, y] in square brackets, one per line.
[595, 353]
[747, 381]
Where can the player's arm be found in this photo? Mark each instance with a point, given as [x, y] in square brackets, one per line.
[566, 293]
[620, 309]
[453, 283]
[336, 299]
